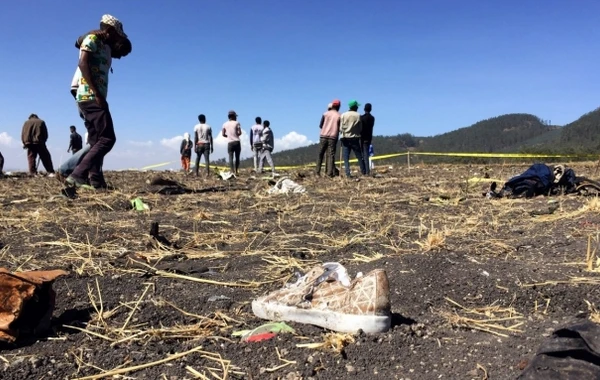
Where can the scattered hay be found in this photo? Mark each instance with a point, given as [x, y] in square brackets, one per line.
[283, 268]
[333, 341]
[594, 313]
[492, 319]
[434, 241]
[357, 258]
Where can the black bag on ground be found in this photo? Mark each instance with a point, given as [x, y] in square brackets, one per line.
[536, 180]
[571, 353]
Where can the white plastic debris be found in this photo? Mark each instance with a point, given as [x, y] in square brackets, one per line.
[226, 175]
[285, 186]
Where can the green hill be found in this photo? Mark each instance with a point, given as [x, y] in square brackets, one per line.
[492, 135]
[582, 135]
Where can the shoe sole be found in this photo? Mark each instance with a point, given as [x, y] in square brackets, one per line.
[331, 320]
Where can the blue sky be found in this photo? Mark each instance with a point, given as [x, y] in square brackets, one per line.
[427, 67]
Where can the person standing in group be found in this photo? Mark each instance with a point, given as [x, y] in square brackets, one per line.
[94, 65]
[255, 141]
[330, 128]
[186, 152]
[203, 141]
[34, 136]
[268, 143]
[350, 136]
[75, 141]
[367, 122]
[232, 130]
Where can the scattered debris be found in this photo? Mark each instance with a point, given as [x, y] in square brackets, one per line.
[27, 302]
[571, 351]
[285, 186]
[226, 175]
[139, 205]
[264, 332]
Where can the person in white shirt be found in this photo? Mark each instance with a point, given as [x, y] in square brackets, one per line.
[203, 141]
[256, 141]
[232, 130]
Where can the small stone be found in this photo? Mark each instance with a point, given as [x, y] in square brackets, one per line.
[310, 359]
[350, 368]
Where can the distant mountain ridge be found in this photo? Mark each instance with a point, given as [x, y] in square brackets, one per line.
[518, 132]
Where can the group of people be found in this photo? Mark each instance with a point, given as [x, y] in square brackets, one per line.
[355, 133]
[261, 143]
[89, 88]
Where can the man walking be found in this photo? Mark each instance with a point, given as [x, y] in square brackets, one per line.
[268, 142]
[203, 141]
[34, 136]
[94, 65]
[232, 130]
[350, 136]
[330, 128]
[366, 135]
[75, 143]
[255, 141]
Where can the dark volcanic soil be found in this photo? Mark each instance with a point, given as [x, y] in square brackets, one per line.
[439, 241]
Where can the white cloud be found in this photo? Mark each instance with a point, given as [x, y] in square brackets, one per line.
[6, 139]
[172, 143]
[146, 144]
[291, 140]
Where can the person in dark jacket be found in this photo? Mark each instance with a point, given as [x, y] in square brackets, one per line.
[268, 143]
[186, 152]
[366, 136]
[76, 142]
[1, 165]
[34, 136]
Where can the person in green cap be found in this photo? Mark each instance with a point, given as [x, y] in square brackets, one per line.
[351, 128]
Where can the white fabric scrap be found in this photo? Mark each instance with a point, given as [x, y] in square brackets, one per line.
[285, 186]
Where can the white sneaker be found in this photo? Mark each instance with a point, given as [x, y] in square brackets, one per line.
[326, 297]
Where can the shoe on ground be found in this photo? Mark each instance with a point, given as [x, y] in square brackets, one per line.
[326, 297]
[78, 184]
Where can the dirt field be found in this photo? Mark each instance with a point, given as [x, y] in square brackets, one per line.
[475, 284]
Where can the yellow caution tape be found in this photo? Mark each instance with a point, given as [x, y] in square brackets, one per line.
[393, 155]
[506, 155]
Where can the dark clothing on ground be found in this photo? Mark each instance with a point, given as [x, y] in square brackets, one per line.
[327, 148]
[186, 148]
[234, 148]
[34, 132]
[101, 137]
[352, 144]
[33, 150]
[365, 153]
[368, 122]
[76, 142]
[203, 149]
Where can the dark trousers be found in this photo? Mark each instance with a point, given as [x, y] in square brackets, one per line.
[101, 137]
[327, 148]
[234, 148]
[365, 154]
[33, 150]
[352, 145]
[203, 150]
